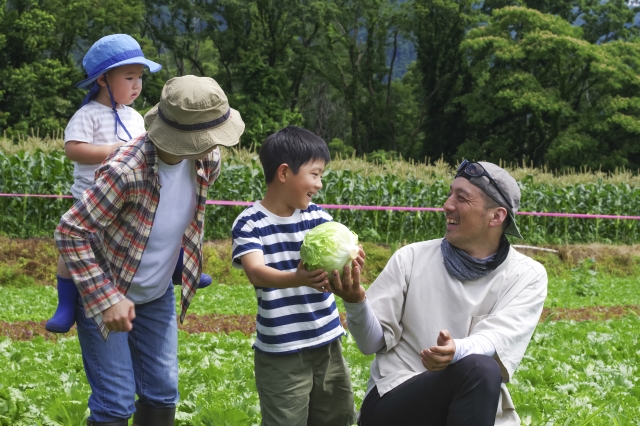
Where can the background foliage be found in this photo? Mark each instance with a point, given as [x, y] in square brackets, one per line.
[351, 182]
[545, 82]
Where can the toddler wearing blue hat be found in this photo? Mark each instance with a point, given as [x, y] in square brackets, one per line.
[114, 67]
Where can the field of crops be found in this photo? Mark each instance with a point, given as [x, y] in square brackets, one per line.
[582, 367]
[351, 182]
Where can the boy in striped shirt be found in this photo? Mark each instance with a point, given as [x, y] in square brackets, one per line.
[301, 375]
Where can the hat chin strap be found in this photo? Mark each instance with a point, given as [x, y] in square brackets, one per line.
[113, 107]
[92, 94]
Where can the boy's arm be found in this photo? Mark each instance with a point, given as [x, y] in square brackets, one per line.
[88, 153]
[261, 275]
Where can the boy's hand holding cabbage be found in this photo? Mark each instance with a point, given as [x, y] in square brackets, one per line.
[317, 278]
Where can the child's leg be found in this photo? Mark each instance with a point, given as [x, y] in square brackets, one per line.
[331, 401]
[64, 317]
[62, 270]
[284, 384]
[176, 278]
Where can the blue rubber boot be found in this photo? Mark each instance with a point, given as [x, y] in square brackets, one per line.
[176, 278]
[205, 280]
[65, 315]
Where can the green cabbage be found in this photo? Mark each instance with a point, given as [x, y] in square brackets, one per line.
[329, 246]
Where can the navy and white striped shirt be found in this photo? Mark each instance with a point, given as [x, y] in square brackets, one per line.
[289, 319]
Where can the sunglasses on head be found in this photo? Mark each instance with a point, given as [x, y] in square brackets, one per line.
[471, 169]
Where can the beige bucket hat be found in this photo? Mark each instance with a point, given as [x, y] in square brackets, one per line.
[193, 115]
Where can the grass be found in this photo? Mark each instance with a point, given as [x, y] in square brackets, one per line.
[573, 369]
[27, 271]
[609, 291]
[35, 303]
[582, 373]
[216, 379]
[33, 258]
[569, 372]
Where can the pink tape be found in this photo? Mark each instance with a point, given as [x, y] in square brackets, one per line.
[36, 195]
[386, 208]
[392, 208]
[230, 203]
[335, 206]
[579, 215]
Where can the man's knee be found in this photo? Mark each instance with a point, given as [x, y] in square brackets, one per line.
[162, 395]
[483, 370]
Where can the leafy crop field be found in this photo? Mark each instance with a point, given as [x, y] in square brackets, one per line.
[352, 182]
[581, 367]
[573, 374]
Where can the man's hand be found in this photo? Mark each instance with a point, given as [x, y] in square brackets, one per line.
[359, 261]
[349, 289]
[315, 279]
[119, 316]
[439, 357]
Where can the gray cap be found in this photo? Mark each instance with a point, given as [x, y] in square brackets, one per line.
[509, 188]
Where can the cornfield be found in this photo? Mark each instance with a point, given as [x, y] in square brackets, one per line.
[353, 182]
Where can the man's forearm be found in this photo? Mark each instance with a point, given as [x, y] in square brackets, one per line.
[365, 327]
[476, 344]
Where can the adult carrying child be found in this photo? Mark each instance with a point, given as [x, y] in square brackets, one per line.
[121, 241]
[104, 122]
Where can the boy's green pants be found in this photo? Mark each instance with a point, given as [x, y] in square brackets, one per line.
[311, 387]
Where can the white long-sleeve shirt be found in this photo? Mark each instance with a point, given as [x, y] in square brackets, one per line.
[415, 297]
[369, 336]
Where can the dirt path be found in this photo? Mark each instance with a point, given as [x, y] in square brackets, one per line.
[215, 323]
[589, 313]
[35, 259]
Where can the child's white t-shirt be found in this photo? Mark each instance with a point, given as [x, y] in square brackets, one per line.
[176, 210]
[96, 123]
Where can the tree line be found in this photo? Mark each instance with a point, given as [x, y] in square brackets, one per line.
[546, 82]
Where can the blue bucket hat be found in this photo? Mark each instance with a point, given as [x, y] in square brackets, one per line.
[113, 51]
[110, 52]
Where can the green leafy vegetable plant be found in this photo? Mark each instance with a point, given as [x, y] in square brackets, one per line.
[584, 279]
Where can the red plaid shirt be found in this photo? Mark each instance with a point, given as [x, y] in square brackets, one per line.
[102, 237]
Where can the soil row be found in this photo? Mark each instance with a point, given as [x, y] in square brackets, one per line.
[216, 323]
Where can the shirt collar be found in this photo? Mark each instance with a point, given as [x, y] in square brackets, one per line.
[151, 154]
